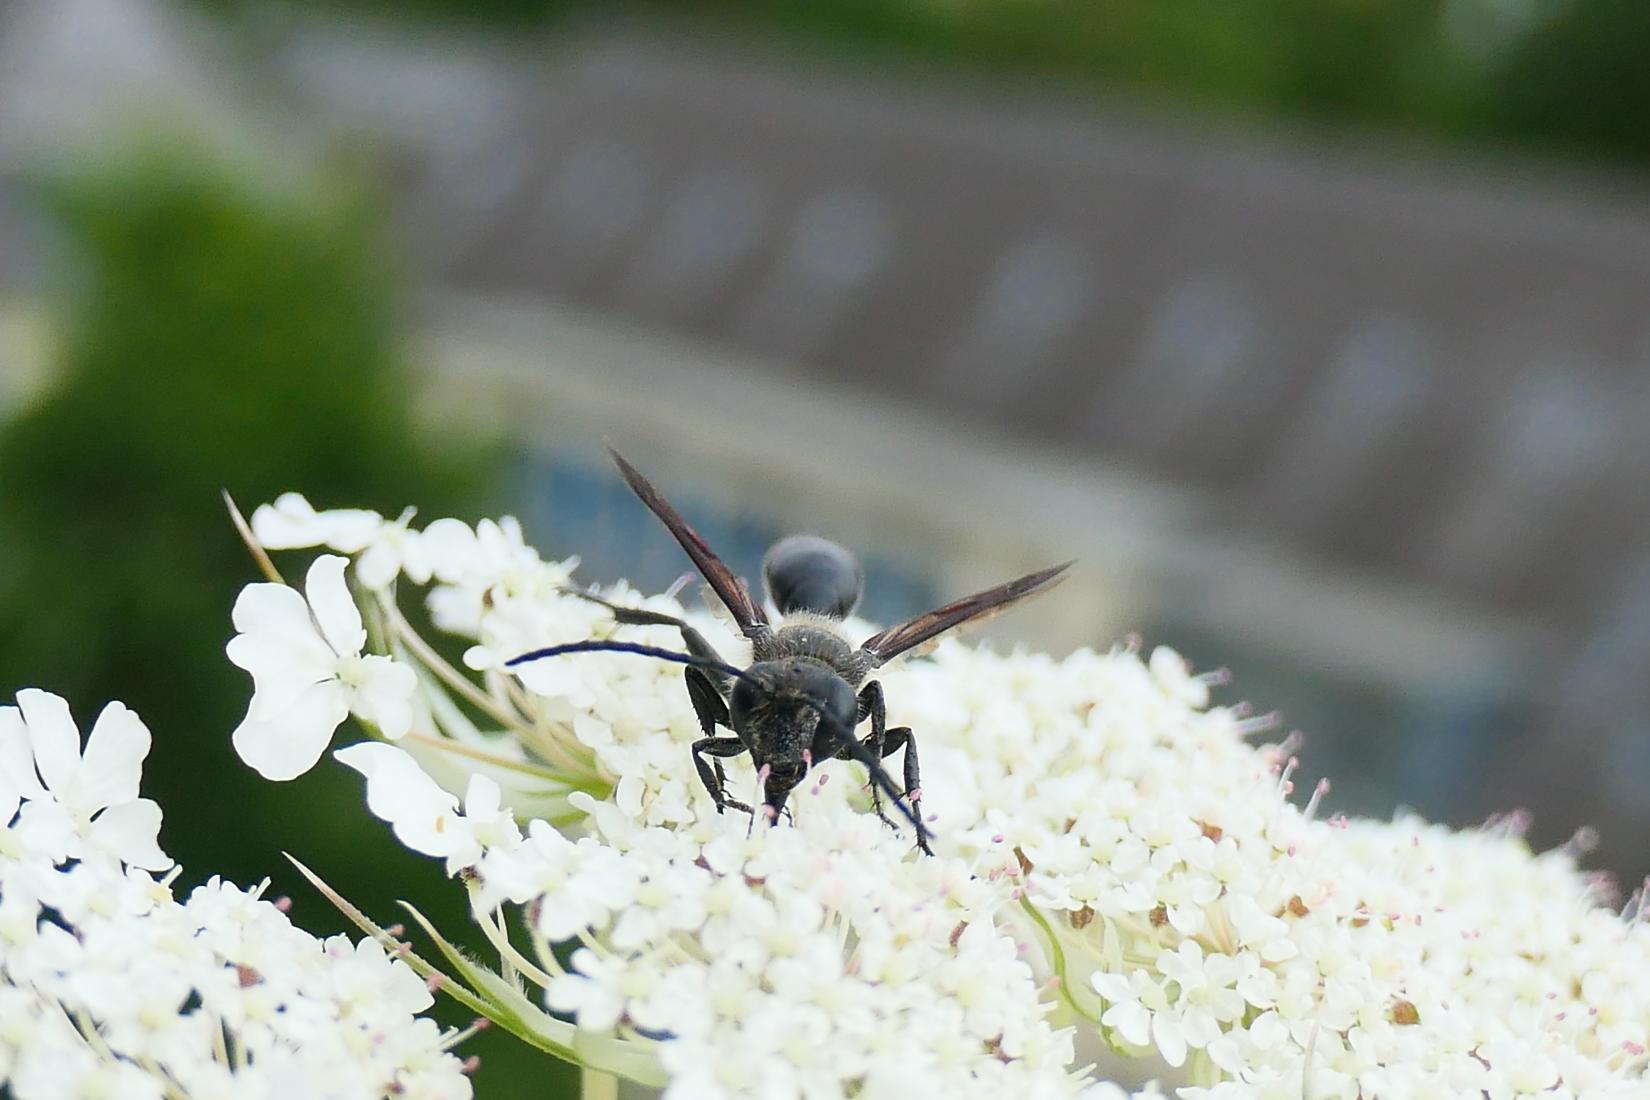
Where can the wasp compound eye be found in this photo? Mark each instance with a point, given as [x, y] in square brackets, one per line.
[808, 573]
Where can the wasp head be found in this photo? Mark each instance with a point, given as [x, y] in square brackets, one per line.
[791, 713]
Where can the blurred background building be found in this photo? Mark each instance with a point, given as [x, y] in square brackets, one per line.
[1316, 331]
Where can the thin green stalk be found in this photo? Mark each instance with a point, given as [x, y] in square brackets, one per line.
[537, 771]
[259, 556]
[1059, 955]
[446, 672]
[596, 1085]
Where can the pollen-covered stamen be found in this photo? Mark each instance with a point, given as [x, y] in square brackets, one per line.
[1318, 792]
[1635, 909]
[1514, 823]
[1583, 843]
[457, 1036]
[1285, 786]
[1260, 723]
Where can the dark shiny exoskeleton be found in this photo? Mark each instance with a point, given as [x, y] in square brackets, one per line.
[806, 689]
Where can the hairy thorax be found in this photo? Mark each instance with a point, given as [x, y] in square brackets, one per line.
[818, 638]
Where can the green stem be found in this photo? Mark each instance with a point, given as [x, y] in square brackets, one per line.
[537, 771]
[1058, 955]
[450, 676]
[259, 555]
[596, 1085]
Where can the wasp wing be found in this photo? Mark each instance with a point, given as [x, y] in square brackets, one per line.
[884, 647]
[728, 588]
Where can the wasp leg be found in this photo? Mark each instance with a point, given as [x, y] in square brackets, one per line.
[896, 739]
[711, 709]
[636, 616]
[715, 782]
[893, 740]
[871, 706]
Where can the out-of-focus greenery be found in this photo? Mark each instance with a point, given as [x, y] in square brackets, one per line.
[214, 332]
[1563, 76]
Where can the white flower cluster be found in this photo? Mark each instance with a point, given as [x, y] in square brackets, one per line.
[1194, 910]
[110, 988]
[1116, 861]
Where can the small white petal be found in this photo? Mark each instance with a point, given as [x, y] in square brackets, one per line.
[288, 524]
[113, 761]
[17, 778]
[280, 671]
[450, 549]
[379, 566]
[53, 736]
[1171, 1040]
[292, 523]
[423, 815]
[482, 797]
[288, 744]
[131, 832]
[385, 696]
[334, 608]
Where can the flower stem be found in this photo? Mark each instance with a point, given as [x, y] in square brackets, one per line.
[259, 555]
[537, 771]
[596, 1085]
[449, 675]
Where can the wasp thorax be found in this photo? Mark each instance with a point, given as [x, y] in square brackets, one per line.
[808, 573]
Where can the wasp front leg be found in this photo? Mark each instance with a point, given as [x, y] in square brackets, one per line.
[871, 706]
[715, 782]
[712, 711]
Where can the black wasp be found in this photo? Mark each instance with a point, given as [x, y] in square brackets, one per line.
[806, 690]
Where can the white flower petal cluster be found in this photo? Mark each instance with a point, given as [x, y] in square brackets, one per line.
[61, 800]
[384, 549]
[304, 652]
[1200, 914]
[1115, 856]
[789, 963]
[110, 987]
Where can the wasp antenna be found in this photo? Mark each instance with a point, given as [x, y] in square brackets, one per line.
[627, 647]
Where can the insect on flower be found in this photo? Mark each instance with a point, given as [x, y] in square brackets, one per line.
[807, 688]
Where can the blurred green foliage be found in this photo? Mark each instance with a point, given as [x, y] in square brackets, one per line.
[213, 332]
[1559, 76]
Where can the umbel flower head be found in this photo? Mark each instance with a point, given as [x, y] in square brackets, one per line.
[1120, 871]
[111, 987]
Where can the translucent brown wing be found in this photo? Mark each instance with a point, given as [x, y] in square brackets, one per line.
[728, 588]
[908, 635]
